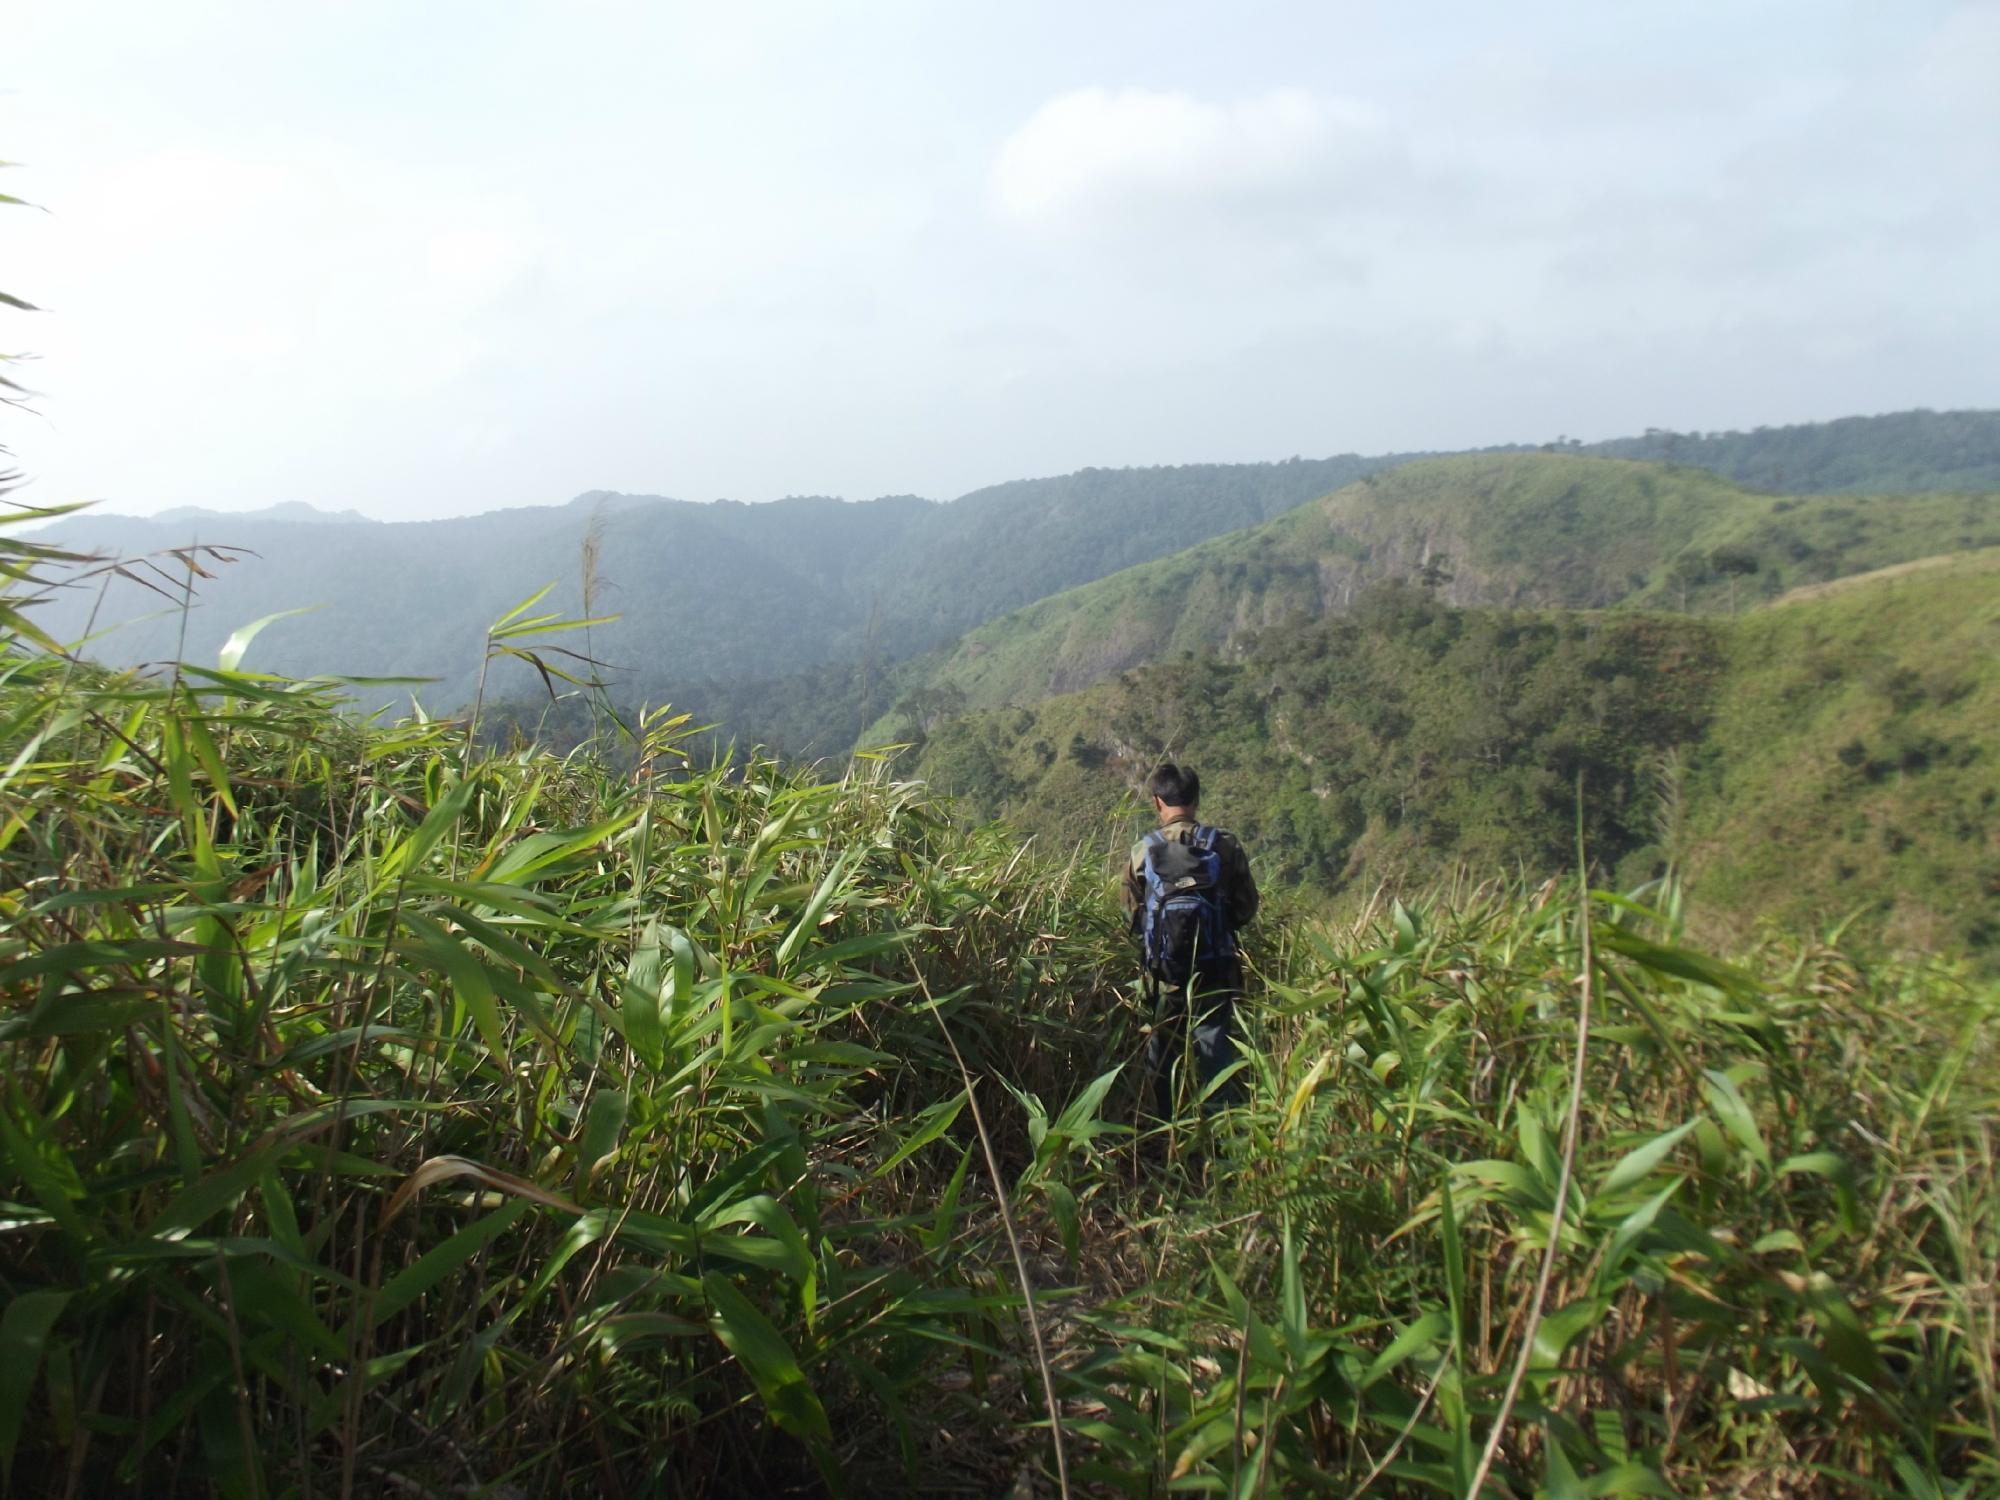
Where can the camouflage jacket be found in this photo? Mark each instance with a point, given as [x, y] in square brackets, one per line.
[1239, 890]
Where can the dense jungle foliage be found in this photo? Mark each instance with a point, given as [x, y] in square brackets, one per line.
[387, 1114]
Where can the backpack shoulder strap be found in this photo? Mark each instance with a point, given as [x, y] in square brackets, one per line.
[1204, 837]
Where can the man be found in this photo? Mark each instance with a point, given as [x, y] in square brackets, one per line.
[1188, 890]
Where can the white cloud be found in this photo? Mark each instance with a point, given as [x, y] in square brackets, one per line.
[212, 309]
[1099, 155]
[386, 256]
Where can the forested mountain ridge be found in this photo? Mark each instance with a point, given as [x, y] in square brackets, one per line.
[1516, 530]
[1904, 451]
[1823, 754]
[414, 599]
[798, 621]
[999, 548]
[707, 593]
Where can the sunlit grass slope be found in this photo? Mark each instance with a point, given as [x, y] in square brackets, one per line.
[1523, 530]
[1853, 765]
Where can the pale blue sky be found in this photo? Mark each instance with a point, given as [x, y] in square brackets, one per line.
[428, 258]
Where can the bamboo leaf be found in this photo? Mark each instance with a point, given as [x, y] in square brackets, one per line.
[788, 1251]
[520, 609]
[1633, 1228]
[1638, 1162]
[46, 1169]
[1629, 1479]
[815, 909]
[1519, 1182]
[944, 1222]
[1063, 1209]
[24, 1333]
[933, 1122]
[603, 1124]
[443, 815]
[262, 1295]
[639, 1000]
[767, 1359]
[1426, 1330]
[1454, 1260]
[1302, 1095]
[1560, 1481]
[442, 1260]
[469, 979]
[1679, 963]
[1556, 1332]
[203, 745]
[230, 657]
[1292, 1297]
[1730, 1107]
[1079, 1120]
[196, 1204]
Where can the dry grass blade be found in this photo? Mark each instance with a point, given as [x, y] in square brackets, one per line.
[446, 1168]
[1572, 1124]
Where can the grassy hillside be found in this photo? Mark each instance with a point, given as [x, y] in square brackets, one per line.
[389, 1117]
[1510, 530]
[1827, 753]
[1853, 761]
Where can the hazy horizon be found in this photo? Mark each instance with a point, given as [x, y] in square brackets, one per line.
[434, 262]
[334, 513]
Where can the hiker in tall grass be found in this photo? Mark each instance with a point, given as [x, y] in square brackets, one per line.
[1188, 889]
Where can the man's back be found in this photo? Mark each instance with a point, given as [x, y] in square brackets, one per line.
[1238, 887]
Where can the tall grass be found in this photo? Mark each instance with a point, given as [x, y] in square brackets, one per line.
[384, 1114]
[1772, 1267]
[381, 1112]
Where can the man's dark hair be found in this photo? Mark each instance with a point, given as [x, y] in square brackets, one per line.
[1177, 786]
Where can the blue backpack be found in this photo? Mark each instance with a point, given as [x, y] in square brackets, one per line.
[1184, 928]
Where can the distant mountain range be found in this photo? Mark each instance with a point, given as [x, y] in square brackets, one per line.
[287, 510]
[708, 594]
[788, 619]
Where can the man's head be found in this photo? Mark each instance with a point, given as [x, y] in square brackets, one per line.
[1176, 791]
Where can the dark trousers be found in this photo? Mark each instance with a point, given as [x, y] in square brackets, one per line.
[1213, 1042]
